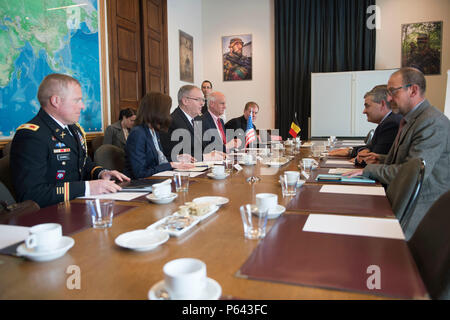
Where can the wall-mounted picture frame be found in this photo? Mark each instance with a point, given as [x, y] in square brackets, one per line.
[186, 57]
[237, 57]
[422, 46]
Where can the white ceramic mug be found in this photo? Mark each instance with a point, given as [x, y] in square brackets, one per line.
[161, 190]
[267, 201]
[185, 278]
[44, 237]
[218, 170]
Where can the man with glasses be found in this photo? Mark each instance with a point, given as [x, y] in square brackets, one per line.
[377, 108]
[239, 124]
[424, 132]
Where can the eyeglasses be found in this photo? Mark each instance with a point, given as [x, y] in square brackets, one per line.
[392, 91]
[202, 100]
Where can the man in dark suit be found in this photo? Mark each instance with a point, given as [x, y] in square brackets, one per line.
[239, 125]
[214, 137]
[424, 132]
[378, 110]
[181, 137]
[49, 160]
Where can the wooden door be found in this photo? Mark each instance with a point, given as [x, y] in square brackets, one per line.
[154, 53]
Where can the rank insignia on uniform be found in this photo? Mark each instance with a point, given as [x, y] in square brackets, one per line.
[60, 174]
[60, 145]
[28, 126]
[61, 150]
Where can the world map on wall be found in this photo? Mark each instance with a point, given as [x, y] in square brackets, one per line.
[42, 37]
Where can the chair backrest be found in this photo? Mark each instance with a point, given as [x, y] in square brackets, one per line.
[404, 189]
[430, 247]
[5, 175]
[369, 137]
[110, 157]
[96, 143]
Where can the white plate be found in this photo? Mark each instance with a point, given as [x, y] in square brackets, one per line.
[218, 201]
[213, 210]
[142, 240]
[156, 200]
[64, 245]
[247, 163]
[175, 233]
[213, 291]
[213, 176]
[276, 212]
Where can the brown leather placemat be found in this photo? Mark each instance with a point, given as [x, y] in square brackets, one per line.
[290, 255]
[309, 199]
[73, 216]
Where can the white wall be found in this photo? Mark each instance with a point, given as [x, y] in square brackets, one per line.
[184, 15]
[234, 17]
[394, 13]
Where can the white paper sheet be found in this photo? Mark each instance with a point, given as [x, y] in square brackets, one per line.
[170, 174]
[122, 196]
[334, 188]
[357, 226]
[352, 144]
[359, 142]
[338, 162]
[10, 235]
[339, 170]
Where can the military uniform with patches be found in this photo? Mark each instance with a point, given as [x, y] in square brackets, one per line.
[49, 164]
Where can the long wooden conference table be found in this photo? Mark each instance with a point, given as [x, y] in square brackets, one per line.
[287, 264]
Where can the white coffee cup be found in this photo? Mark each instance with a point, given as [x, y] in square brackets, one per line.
[218, 170]
[292, 176]
[266, 200]
[44, 237]
[185, 278]
[161, 190]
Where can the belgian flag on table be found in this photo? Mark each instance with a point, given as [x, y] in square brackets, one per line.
[295, 129]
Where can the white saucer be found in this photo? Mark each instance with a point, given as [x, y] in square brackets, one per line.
[213, 291]
[300, 183]
[156, 200]
[276, 212]
[212, 199]
[213, 176]
[64, 245]
[142, 240]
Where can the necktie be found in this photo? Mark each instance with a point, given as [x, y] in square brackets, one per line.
[400, 128]
[219, 125]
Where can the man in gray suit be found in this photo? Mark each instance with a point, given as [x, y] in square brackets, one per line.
[424, 133]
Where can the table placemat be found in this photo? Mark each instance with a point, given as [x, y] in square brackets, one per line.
[343, 262]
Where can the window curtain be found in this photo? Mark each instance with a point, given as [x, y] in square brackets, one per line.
[316, 36]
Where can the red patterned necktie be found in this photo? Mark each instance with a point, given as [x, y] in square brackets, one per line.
[219, 125]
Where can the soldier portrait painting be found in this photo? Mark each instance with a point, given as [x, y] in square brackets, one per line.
[237, 57]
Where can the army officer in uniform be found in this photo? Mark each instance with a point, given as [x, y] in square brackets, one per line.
[49, 160]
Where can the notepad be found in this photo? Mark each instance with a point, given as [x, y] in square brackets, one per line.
[339, 171]
[170, 174]
[339, 178]
[338, 162]
[122, 196]
[357, 226]
[374, 191]
[10, 235]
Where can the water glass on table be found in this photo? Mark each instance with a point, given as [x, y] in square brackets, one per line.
[101, 213]
[254, 220]
[181, 181]
[291, 178]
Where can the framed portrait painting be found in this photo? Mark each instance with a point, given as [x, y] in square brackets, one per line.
[237, 57]
[186, 57]
[422, 46]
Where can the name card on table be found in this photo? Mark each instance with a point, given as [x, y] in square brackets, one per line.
[338, 162]
[374, 191]
[10, 235]
[356, 226]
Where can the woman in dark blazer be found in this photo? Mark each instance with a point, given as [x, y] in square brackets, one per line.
[143, 150]
[117, 133]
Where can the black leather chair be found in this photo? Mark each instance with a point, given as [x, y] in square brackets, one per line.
[430, 247]
[369, 137]
[110, 157]
[5, 175]
[403, 191]
[95, 144]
